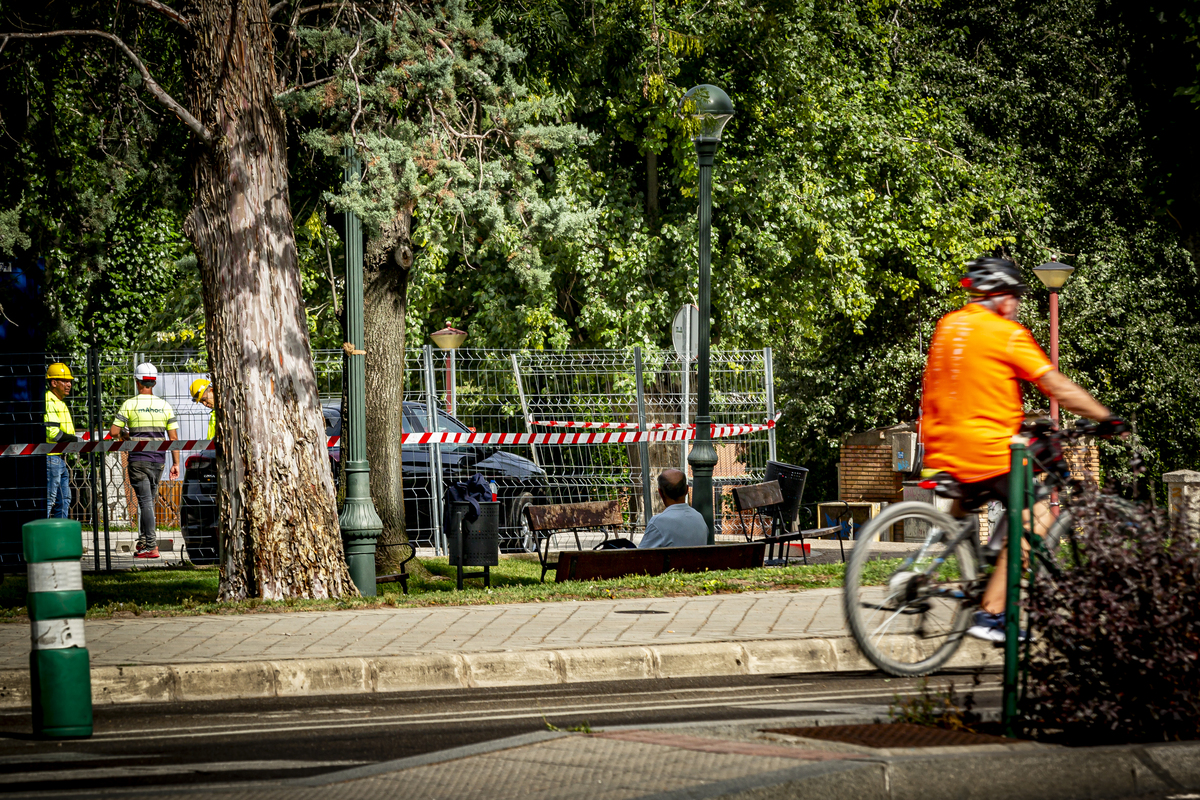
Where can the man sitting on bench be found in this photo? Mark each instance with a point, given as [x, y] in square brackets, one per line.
[679, 525]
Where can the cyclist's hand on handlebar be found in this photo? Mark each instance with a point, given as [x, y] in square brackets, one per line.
[1112, 426]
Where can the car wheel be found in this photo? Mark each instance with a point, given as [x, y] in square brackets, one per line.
[519, 523]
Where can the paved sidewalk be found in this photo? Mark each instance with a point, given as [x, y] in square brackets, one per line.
[464, 629]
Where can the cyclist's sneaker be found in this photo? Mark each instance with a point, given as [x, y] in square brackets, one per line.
[147, 553]
[990, 628]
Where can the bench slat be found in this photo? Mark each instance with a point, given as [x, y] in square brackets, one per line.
[759, 495]
[586, 565]
[570, 516]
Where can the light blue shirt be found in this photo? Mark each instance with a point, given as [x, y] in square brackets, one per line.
[679, 525]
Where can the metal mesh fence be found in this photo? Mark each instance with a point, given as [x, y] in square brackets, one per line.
[495, 391]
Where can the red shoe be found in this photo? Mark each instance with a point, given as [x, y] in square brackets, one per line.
[151, 553]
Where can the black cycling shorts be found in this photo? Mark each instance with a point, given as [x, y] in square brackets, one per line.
[976, 495]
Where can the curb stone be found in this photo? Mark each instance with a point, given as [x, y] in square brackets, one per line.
[171, 683]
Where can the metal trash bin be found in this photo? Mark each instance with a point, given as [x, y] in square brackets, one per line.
[791, 484]
[474, 543]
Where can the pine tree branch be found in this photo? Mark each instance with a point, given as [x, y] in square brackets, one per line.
[151, 84]
[167, 12]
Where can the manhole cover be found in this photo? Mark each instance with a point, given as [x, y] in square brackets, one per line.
[638, 611]
[898, 734]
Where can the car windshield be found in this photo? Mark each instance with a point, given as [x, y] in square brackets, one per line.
[449, 423]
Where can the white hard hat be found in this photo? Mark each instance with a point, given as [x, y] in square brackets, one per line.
[146, 372]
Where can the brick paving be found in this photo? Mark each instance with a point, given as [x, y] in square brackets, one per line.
[460, 629]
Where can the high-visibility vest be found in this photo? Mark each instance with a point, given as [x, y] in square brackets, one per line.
[212, 425]
[148, 418]
[58, 418]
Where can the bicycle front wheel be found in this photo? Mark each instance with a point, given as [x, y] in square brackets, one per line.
[908, 607]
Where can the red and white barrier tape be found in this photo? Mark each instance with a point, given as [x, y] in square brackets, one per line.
[627, 426]
[624, 437]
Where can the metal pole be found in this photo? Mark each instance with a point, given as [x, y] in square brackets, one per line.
[643, 447]
[769, 377]
[359, 521]
[450, 365]
[703, 457]
[436, 489]
[1012, 601]
[1054, 345]
[685, 406]
[93, 408]
[103, 473]
[524, 406]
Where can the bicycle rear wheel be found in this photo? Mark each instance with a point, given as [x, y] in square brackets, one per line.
[908, 612]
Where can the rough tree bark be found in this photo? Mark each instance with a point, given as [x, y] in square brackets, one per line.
[278, 517]
[385, 299]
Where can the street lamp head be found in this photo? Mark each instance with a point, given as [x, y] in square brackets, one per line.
[1053, 274]
[708, 108]
[448, 338]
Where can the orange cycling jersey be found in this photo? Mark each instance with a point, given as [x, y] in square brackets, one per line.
[971, 404]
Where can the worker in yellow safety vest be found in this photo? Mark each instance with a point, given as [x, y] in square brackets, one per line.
[202, 393]
[147, 417]
[59, 428]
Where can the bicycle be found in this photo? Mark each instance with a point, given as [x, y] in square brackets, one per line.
[915, 621]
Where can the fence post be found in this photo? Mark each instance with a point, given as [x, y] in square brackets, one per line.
[524, 407]
[1018, 468]
[93, 424]
[435, 452]
[643, 446]
[98, 400]
[60, 680]
[769, 377]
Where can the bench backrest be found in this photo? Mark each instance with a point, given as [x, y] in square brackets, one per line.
[759, 495]
[586, 565]
[570, 516]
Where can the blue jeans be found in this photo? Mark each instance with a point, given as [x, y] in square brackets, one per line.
[58, 487]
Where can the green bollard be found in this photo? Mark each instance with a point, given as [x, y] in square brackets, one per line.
[60, 675]
[1012, 607]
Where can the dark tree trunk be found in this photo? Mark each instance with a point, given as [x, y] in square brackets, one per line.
[278, 519]
[385, 297]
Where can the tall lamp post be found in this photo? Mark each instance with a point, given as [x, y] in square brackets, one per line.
[709, 108]
[449, 339]
[1053, 275]
[359, 521]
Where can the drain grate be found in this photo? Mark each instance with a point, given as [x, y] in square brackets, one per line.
[639, 611]
[898, 734]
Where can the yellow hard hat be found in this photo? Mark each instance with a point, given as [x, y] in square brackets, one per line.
[59, 371]
[198, 388]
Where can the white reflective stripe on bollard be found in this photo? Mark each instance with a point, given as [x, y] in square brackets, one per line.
[55, 576]
[57, 634]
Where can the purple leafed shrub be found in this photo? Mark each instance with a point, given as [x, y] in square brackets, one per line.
[1117, 654]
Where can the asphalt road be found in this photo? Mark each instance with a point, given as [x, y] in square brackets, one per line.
[185, 744]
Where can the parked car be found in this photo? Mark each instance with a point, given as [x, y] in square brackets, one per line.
[519, 482]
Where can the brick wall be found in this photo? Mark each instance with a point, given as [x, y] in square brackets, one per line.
[865, 473]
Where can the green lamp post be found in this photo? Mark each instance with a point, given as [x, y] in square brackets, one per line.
[359, 521]
[708, 108]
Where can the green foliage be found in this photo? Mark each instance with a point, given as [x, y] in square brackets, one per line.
[89, 172]
[449, 138]
[1080, 97]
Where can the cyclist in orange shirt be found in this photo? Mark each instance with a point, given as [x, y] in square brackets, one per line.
[971, 404]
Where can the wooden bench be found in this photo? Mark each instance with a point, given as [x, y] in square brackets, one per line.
[767, 499]
[590, 565]
[545, 521]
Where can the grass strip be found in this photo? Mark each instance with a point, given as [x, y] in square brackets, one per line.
[189, 590]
